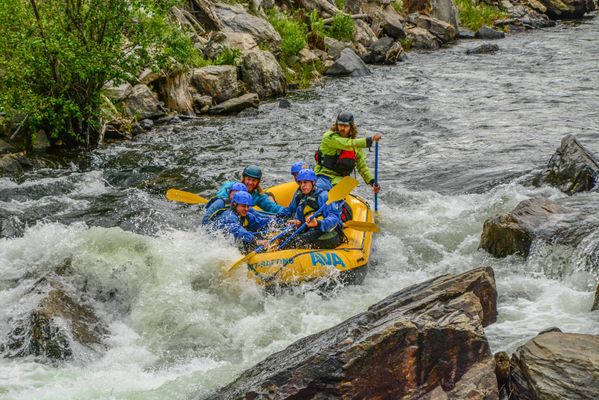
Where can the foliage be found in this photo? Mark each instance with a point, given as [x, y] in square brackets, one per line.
[302, 74]
[397, 5]
[229, 56]
[56, 56]
[406, 43]
[316, 23]
[340, 4]
[474, 16]
[293, 33]
[342, 27]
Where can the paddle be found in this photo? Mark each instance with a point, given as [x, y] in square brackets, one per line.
[362, 226]
[376, 175]
[185, 197]
[337, 193]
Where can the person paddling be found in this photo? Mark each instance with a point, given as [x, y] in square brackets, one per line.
[251, 177]
[323, 232]
[341, 152]
[217, 205]
[242, 224]
[290, 209]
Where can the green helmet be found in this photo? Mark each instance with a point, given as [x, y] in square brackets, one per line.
[252, 171]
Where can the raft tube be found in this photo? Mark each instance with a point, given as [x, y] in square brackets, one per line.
[346, 263]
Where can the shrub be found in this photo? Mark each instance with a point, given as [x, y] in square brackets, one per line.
[474, 16]
[342, 27]
[229, 56]
[293, 33]
[56, 56]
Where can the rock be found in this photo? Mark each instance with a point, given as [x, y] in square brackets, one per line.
[237, 104]
[52, 327]
[385, 19]
[444, 31]
[363, 34]
[348, 64]
[443, 10]
[202, 103]
[489, 33]
[284, 103]
[335, 47]
[233, 40]
[395, 53]
[262, 74]
[465, 33]
[567, 9]
[216, 81]
[572, 168]
[529, 17]
[596, 302]
[174, 92]
[307, 57]
[205, 14]
[148, 76]
[384, 51]
[486, 48]
[142, 103]
[6, 148]
[40, 142]
[565, 222]
[235, 18]
[424, 342]
[10, 166]
[423, 39]
[556, 365]
[117, 93]
[146, 124]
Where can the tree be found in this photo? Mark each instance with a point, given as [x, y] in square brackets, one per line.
[57, 55]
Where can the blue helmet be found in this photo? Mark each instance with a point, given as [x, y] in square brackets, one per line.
[238, 187]
[253, 171]
[306, 175]
[242, 198]
[298, 166]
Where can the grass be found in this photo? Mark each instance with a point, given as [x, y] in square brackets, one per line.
[475, 16]
[342, 27]
[293, 33]
[303, 74]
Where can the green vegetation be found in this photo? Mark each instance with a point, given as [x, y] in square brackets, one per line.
[293, 33]
[316, 23]
[340, 4]
[342, 27]
[397, 5]
[228, 56]
[474, 16]
[56, 56]
[302, 74]
[406, 43]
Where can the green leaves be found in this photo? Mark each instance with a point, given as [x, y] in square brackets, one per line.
[56, 55]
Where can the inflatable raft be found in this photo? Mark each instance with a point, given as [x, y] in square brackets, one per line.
[346, 263]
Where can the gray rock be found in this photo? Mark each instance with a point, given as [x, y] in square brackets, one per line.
[40, 142]
[262, 74]
[237, 104]
[363, 34]
[572, 168]
[142, 103]
[377, 53]
[235, 18]
[445, 10]
[146, 124]
[486, 48]
[348, 64]
[556, 365]
[567, 9]
[284, 103]
[6, 148]
[465, 33]
[306, 56]
[216, 81]
[385, 19]
[233, 40]
[10, 166]
[489, 33]
[118, 93]
[423, 39]
[335, 47]
[426, 339]
[444, 31]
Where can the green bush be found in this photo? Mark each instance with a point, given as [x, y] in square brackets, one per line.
[56, 56]
[293, 33]
[342, 27]
[397, 5]
[474, 16]
[316, 23]
[229, 56]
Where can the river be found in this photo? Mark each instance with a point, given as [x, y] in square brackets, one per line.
[461, 137]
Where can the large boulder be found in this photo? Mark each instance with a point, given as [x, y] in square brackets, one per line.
[567, 9]
[262, 74]
[424, 342]
[489, 33]
[348, 64]
[423, 39]
[385, 19]
[384, 51]
[244, 42]
[556, 365]
[444, 31]
[53, 326]
[142, 103]
[443, 10]
[216, 81]
[174, 92]
[572, 168]
[564, 221]
[235, 18]
[334, 47]
[237, 104]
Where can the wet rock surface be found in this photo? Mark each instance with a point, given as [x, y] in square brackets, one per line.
[556, 365]
[486, 48]
[426, 341]
[348, 64]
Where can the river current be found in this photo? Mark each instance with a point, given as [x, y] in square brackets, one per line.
[461, 137]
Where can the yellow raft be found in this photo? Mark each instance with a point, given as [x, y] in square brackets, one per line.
[347, 263]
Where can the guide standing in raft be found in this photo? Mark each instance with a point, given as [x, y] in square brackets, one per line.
[341, 152]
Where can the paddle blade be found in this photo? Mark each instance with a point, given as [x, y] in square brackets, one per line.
[184, 197]
[241, 261]
[342, 189]
[362, 226]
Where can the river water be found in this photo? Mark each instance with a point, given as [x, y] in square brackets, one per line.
[462, 135]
